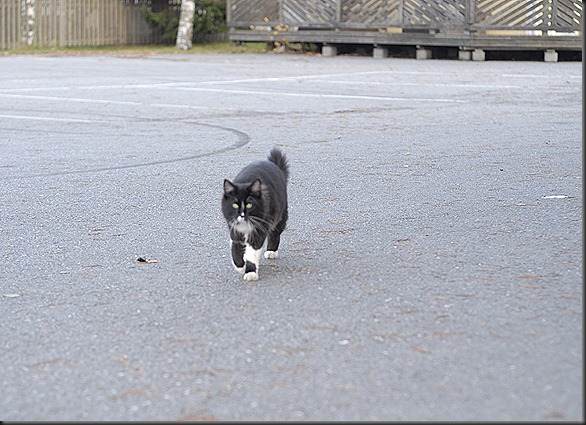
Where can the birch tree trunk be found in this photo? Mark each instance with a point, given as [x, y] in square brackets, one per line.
[185, 31]
[29, 27]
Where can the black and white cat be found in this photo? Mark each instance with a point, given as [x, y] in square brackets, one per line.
[255, 207]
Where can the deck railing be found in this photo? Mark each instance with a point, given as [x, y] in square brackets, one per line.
[466, 15]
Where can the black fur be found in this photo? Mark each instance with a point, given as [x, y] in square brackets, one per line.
[258, 195]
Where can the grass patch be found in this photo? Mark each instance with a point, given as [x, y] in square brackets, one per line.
[221, 47]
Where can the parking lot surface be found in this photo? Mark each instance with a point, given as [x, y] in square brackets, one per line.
[431, 269]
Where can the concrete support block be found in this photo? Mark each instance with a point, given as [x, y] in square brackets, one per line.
[422, 53]
[550, 55]
[478, 55]
[328, 50]
[464, 55]
[380, 52]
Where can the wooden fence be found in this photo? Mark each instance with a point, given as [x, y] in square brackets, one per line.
[499, 24]
[62, 23]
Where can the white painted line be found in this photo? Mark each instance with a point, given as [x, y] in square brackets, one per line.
[322, 79]
[225, 91]
[37, 118]
[292, 77]
[119, 102]
[417, 84]
[94, 87]
[167, 85]
[325, 95]
[104, 101]
[541, 76]
[315, 77]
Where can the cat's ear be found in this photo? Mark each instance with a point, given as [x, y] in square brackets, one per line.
[255, 188]
[228, 187]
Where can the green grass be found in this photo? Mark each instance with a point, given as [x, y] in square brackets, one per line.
[226, 47]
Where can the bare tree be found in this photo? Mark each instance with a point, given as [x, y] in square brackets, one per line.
[29, 27]
[185, 31]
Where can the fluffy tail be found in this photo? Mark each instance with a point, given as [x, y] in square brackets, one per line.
[277, 157]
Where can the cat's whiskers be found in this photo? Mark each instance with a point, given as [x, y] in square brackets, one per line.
[261, 223]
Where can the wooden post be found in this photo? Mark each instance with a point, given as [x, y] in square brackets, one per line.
[338, 14]
[547, 16]
[469, 14]
[401, 14]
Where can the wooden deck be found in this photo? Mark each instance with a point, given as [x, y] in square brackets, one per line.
[468, 25]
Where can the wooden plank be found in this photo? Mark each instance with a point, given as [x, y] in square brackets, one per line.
[77, 23]
[6, 18]
[469, 41]
[3, 25]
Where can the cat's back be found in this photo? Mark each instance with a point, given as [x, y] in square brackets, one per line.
[268, 173]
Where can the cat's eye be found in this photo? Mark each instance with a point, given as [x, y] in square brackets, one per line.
[249, 205]
[235, 206]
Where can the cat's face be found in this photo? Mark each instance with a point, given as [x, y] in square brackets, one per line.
[242, 206]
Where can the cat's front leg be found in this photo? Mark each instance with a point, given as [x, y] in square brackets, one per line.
[274, 238]
[251, 262]
[237, 249]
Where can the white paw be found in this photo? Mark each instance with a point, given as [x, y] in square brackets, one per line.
[271, 255]
[251, 276]
[239, 269]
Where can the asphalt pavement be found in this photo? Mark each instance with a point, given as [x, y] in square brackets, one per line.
[431, 269]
